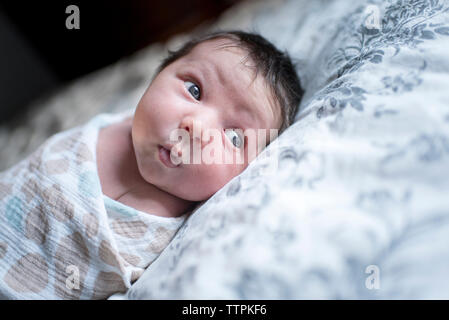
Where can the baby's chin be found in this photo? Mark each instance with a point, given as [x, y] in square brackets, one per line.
[186, 191]
[192, 197]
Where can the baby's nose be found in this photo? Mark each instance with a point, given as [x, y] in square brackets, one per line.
[188, 124]
[197, 130]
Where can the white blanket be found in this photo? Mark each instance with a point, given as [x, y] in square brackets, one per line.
[60, 237]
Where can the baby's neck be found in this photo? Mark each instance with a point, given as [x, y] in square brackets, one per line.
[121, 180]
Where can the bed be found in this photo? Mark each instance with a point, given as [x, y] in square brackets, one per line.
[358, 206]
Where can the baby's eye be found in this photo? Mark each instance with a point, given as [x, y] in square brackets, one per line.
[235, 138]
[193, 89]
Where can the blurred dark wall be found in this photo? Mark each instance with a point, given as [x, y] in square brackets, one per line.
[38, 52]
[23, 74]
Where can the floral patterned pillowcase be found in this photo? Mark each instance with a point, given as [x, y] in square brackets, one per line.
[361, 174]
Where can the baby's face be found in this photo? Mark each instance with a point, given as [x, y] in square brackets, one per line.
[211, 92]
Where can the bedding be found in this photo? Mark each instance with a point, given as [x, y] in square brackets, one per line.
[358, 206]
[61, 237]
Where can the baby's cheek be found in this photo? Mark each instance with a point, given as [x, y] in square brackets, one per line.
[144, 162]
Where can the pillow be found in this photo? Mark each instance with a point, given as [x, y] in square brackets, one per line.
[358, 206]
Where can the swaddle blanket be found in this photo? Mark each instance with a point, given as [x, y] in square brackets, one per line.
[60, 237]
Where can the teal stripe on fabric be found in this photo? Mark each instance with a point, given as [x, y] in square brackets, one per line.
[112, 205]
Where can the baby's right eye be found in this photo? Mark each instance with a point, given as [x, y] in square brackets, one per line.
[235, 138]
[193, 89]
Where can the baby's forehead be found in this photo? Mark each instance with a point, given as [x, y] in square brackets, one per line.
[221, 52]
[220, 45]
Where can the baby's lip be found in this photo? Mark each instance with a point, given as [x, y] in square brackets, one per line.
[167, 146]
[164, 156]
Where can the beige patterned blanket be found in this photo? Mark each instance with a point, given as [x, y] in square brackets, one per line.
[60, 237]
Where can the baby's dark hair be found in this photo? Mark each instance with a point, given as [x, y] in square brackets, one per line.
[276, 67]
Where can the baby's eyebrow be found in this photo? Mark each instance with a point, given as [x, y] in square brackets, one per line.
[252, 113]
[249, 113]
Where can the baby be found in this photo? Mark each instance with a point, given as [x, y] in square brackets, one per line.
[223, 81]
[85, 214]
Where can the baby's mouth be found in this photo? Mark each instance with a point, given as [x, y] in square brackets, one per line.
[164, 156]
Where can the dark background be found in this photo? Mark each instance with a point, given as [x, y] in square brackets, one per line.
[38, 54]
